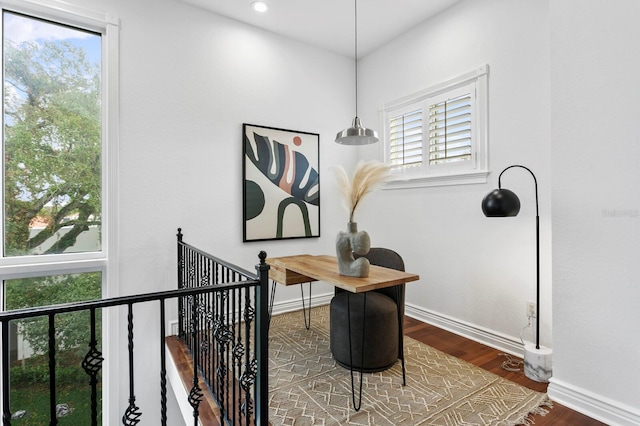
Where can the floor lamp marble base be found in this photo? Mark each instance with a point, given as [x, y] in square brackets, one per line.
[537, 363]
[504, 203]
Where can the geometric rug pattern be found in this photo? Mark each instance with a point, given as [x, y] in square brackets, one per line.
[307, 387]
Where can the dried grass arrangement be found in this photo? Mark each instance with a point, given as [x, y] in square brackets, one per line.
[366, 177]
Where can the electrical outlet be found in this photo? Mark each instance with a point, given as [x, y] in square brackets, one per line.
[531, 310]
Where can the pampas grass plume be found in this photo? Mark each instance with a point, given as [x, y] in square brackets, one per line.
[366, 177]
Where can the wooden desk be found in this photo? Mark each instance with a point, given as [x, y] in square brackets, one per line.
[299, 269]
[306, 268]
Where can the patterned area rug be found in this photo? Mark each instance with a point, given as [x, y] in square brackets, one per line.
[306, 386]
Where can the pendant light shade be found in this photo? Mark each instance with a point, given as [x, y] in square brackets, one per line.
[356, 134]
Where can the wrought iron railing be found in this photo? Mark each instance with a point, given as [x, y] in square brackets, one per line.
[226, 332]
[223, 315]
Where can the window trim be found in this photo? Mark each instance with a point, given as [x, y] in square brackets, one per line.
[105, 261]
[63, 12]
[445, 174]
[106, 25]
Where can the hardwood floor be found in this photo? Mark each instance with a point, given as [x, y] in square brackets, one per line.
[491, 359]
[208, 412]
[478, 354]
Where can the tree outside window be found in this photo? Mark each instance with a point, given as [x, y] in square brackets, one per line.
[53, 191]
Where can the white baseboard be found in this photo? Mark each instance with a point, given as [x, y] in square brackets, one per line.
[487, 337]
[296, 304]
[592, 405]
[610, 412]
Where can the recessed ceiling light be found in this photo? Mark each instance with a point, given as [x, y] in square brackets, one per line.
[260, 6]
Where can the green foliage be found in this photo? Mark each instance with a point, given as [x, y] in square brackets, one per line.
[73, 328]
[28, 375]
[52, 144]
[35, 400]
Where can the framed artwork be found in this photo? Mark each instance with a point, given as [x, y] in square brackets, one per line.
[281, 183]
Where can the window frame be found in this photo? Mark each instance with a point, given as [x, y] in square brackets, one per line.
[470, 171]
[107, 26]
[106, 260]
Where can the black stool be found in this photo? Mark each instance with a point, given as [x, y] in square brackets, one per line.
[380, 327]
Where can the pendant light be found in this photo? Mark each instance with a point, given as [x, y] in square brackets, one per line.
[356, 134]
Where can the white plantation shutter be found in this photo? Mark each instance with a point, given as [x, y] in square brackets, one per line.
[405, 136]
[438, 136]
[450, 130]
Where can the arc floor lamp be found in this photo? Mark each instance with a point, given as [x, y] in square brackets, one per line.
[502, 202]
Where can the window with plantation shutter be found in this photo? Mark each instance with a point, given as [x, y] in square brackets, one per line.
[450, 130]
[438, 136]
[405, 139]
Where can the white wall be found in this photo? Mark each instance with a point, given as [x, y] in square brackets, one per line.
[189, 79]
[595, 65]
[475, 271]
[554, 65]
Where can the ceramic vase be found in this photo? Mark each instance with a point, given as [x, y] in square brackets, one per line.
[350, 243]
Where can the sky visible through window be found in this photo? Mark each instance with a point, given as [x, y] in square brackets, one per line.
[19, 29]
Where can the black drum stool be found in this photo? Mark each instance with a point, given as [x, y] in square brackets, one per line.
[380, 329]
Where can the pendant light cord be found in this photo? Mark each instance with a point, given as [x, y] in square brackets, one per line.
[355, 14]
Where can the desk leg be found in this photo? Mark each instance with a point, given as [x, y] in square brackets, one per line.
[401, 337]
[307, 324]
[271, 298]
[357, 405]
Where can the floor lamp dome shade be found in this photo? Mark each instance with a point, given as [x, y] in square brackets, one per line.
[500, 203]
[357, 135]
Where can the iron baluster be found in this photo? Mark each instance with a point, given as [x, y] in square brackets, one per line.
[195, 395]
[228, 339]
[132, 414]
[247, 379]
[232, 341]
[261, 342]
[92, 364]
[53, 420]
[163, 367]
[6, 408]
[220, 334]
[181, 249]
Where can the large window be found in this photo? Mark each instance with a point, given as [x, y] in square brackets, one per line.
[438, 136]
[52, 138]
[57, 179]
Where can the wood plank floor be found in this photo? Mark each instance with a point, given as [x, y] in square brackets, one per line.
[475, 353]
[209, 413]
[491, 359]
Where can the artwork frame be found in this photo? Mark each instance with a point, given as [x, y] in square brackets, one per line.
[280, 183]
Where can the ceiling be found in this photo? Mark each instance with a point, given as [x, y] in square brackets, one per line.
[330, 24]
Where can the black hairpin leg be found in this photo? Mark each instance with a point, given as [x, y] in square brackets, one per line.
[358, 404]
[401, 337]
[271, 298]
[404, 371]
[307, 324]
